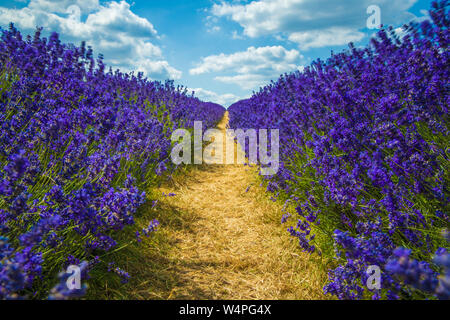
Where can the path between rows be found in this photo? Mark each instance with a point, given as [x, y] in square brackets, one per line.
[226, 243]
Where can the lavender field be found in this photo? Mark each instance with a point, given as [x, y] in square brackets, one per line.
[363, 182]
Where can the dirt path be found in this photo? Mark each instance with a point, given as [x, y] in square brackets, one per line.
[218, 241]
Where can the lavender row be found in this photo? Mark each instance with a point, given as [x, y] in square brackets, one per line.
[79, 146]
[364, 152]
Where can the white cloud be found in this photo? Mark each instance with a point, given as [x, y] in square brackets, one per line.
[159, 69]
[303, 21]
[274, 58]
[60, 6]
[251, 68]
[117, 17]
[328, 37]
[223, 99]
[111, 28]
[246, 81]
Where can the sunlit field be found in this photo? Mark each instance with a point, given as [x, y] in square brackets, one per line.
[117, 184]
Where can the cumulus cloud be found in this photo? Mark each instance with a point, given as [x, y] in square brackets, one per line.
[60, 6]
[250, 68]
[111, 28]
[223, 99]
[117, 17]
[253, 59]
[312, 23]
[246, 81]
[328, 37]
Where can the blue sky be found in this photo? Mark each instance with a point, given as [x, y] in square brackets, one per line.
[224, 50]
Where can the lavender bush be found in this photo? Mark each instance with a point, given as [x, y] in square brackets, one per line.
[79, 146]
[364, 157]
